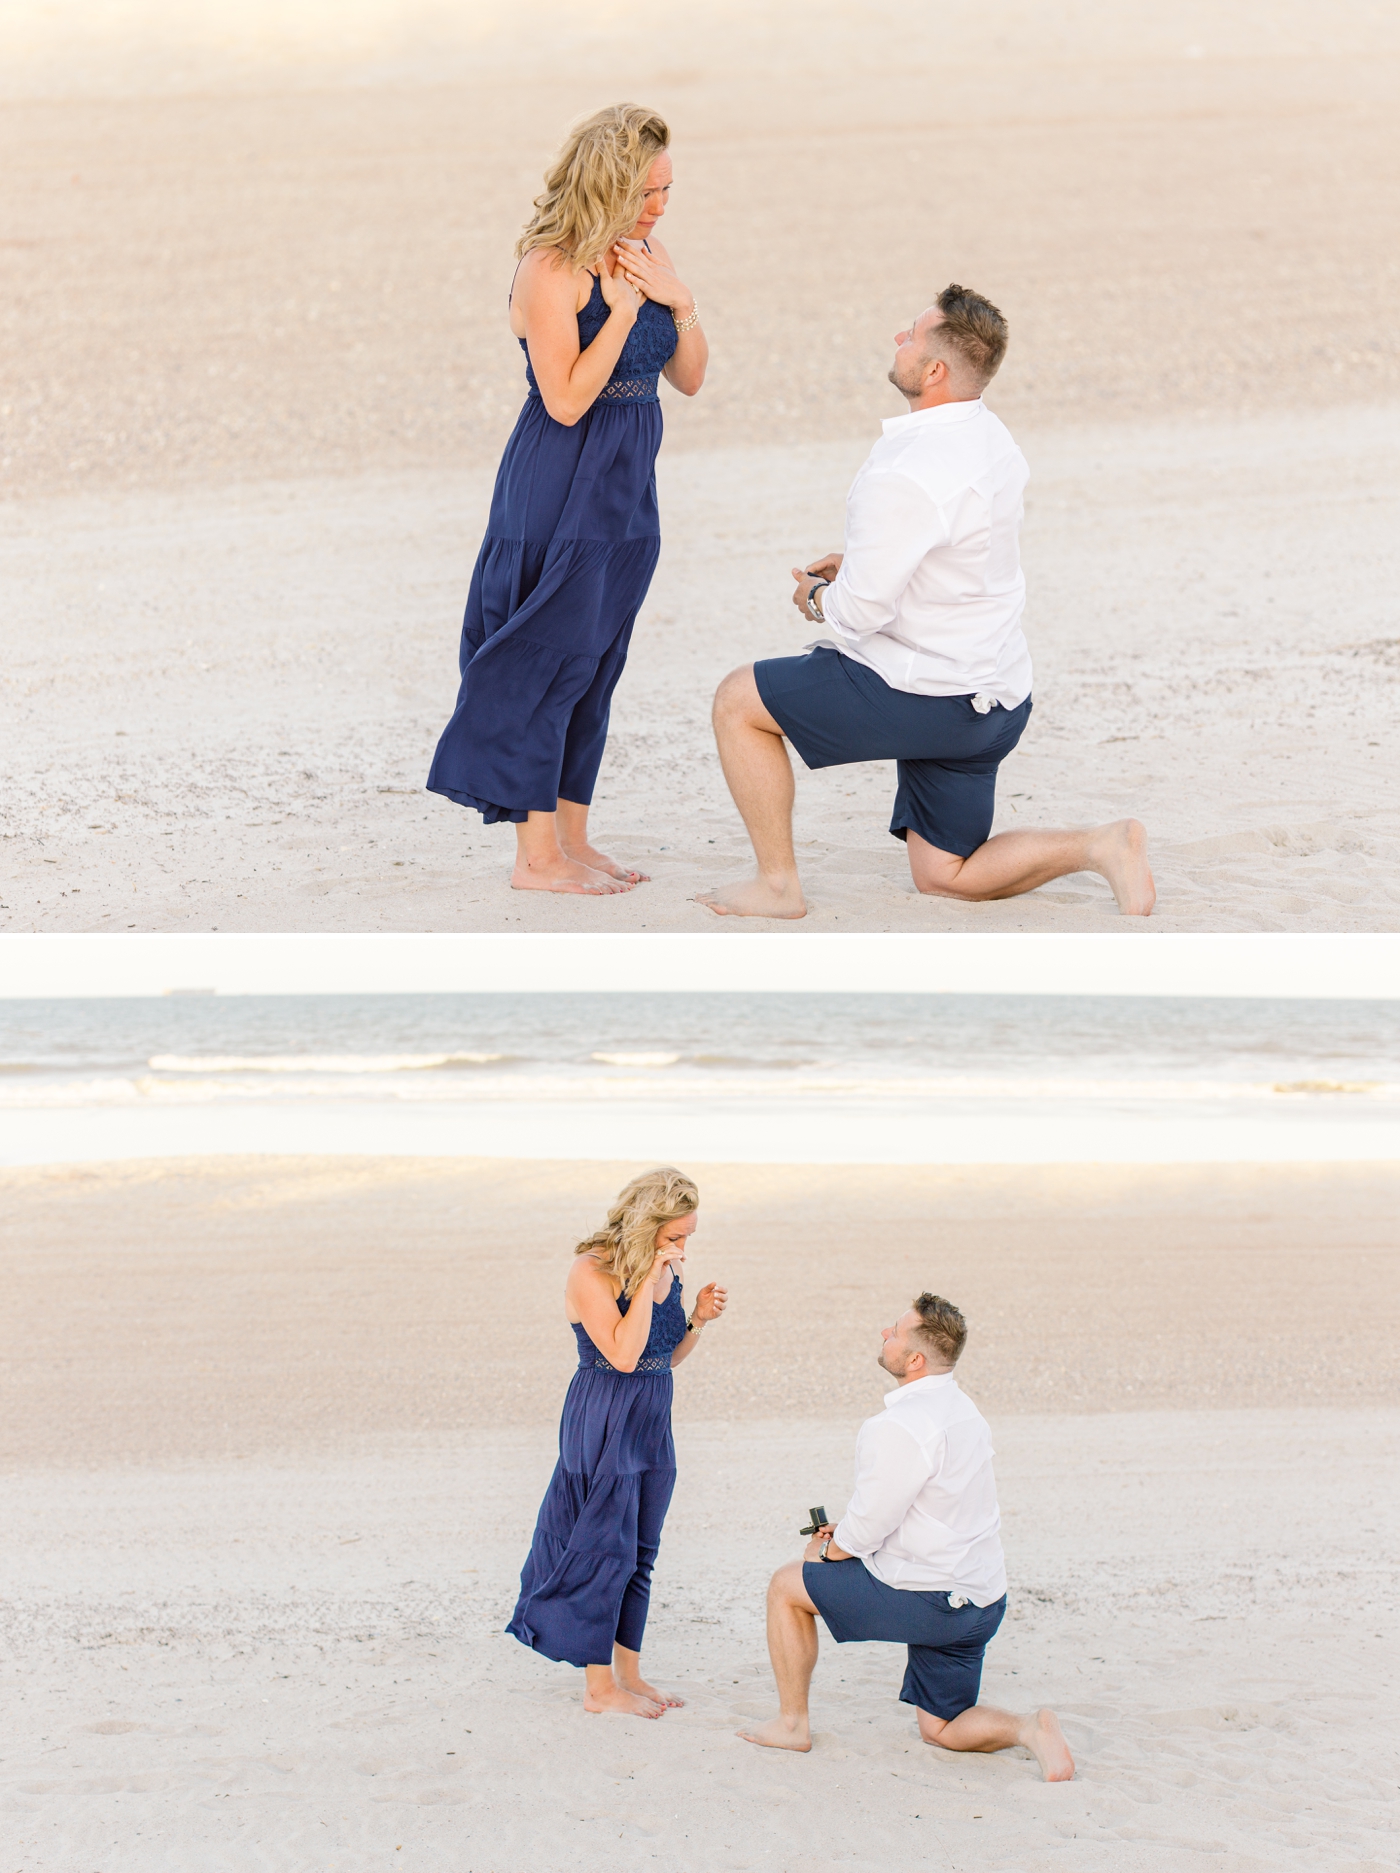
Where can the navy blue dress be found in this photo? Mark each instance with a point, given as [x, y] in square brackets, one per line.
[587, 1578]
[569, 552]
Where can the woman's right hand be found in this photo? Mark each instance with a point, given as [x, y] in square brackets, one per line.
[619, 294]
[674, 1252]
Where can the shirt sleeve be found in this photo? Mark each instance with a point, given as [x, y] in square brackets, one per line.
[891, 1469]
[891, 524]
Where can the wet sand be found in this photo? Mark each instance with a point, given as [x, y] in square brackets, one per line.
[257, 377]
[193, 1310]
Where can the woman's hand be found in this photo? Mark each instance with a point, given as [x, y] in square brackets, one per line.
[662, 1267]
[710, 1302]
[620, 294]
[655, 278]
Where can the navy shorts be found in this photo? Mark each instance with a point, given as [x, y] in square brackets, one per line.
[945, 1643]
[834, 710]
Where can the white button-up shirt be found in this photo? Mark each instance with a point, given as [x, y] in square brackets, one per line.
[931, 592]
[924, 1514]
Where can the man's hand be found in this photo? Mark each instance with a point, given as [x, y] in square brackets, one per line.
[819, 570]
[813, 1550]
[826, 568]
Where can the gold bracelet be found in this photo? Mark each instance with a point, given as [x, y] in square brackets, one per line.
[684, 325]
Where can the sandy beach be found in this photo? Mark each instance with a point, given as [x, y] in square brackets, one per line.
[258, 375]
[273, 1447]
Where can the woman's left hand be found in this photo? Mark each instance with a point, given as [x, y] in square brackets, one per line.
[654, 278]
[710, 1302]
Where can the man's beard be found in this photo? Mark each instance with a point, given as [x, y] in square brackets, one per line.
[905, 390]
[880, 1359]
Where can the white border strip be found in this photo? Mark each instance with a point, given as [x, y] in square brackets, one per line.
[1352, 967]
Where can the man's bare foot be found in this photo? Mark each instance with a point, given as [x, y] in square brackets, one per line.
[567, 875]
[599, 861]
[640, 1688]
[1043, 1737]
[782, 1733]
[756, 897]
[1120, 854]
[621, 1702]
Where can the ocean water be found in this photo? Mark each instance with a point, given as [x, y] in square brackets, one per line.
[859, 1077]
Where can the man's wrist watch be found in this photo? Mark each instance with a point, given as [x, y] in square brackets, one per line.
[816, 616]
[822, 1551]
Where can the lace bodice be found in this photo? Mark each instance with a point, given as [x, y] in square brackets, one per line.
[648, 349]
[667, 1332]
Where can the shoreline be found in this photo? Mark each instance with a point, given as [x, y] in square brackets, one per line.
[893, 1131]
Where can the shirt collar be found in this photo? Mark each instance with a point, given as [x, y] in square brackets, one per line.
[931, 1383]
[960, 412]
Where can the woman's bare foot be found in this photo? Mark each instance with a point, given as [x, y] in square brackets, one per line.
[1042, 1736]
[756, 897]
[782, 1733]
[567, 875]
[599, 861]
[1120, 855]
[620, 1701]
[640, 1688]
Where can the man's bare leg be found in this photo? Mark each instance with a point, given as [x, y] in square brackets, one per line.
[792, 1646]
[541, 864]
[1014, 862]
[627, 1671]
[759, 774]
[602, 1692]
[572, 822]
[986, 1728]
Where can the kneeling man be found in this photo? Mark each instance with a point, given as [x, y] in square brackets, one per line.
[916, 1559]
[929, 666]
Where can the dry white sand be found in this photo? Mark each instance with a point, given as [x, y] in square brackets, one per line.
[257, 377]
[274, 1440]
[302, 1667]
[167, 776]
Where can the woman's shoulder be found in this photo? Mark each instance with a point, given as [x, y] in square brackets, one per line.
[550, 271]
[587, 1270]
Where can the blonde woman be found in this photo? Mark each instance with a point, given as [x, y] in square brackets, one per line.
[574, 534]
[586, 1582]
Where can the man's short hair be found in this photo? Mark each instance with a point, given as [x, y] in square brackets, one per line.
[973, 328]
[942, 1331]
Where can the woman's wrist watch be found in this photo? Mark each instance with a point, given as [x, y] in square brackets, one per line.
[693, 1326]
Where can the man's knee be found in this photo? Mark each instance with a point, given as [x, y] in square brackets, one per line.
[736, 696]
[788, 1585]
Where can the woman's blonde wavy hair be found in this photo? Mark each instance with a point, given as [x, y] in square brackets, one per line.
[596, 185]
[626, 1249]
